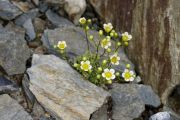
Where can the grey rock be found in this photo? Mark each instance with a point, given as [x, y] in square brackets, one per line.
[74, 37]
[39, 25]
[101, 114]
[56, 20]
[147, 95]
[17, 29]
[36, 2]
[14, 51]
[173, 100]
[137, 79]
[76, 42]
[74, 8]
[164, 116]
[62, 91]
[28, 15]
[8, 11]
[38, 110]
[129, 100]
[11, 110]
[28, 26]
[7, 86]
[161, 116]
[29, 96]
[22, 5]
[1, 23]
[46, 118]
[43, 6]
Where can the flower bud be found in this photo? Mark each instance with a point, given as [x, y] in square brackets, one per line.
[89, 71]
[87, 28]
[108, 37]
[89, 21]
[117, 73]
[61, 51]
[115, 35]
[55, 46]
[109, 81]
[91, 37]
[75, 65]
[100, 32]
[113, 31]
[84, 58]
[112, 34]
[104, 62]
[109, 50]
[118, 43]
[126, 43]
[98, 76]
[99, 69]
[128, 66]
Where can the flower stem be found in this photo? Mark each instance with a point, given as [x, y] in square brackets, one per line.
[103, 53]
[117, 48]
[87, 40]
[97, 50]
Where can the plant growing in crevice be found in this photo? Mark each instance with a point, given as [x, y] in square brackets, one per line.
[97, 66]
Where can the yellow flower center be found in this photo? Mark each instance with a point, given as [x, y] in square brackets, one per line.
[125, 38]
[108, 74]
[61, 46]
[114, 59]
[82, 21]
[127, 75]
[105, 42]
[107, 29]
[85, 66]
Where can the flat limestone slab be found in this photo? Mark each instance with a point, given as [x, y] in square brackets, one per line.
[62, 91]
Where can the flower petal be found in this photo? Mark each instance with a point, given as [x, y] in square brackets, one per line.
[106, 70]
[112, 71]
[126, 70]
[117, 63]
[82, 62]
[103, 74]
[131, 79]
[88, 62]
[131, 72]
[113, 77]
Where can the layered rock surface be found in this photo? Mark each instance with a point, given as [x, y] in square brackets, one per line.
[11, 110]
[129, 100]
[62, 91]
[8, 11]
[7, 86]
[14, 51]
[155, 46]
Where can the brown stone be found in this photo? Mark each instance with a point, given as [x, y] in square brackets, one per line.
[155, 48]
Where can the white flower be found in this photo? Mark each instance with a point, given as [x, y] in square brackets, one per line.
[128, 75]
[126, 36]
[85, 65]
[105, 43]
[108, 74]
[107, 27]
[115, 59]
[82, 20]
[61, 45]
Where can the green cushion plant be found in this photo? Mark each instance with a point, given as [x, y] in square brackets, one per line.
[95, 66]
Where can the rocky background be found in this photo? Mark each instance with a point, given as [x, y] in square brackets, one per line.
[36, 84]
